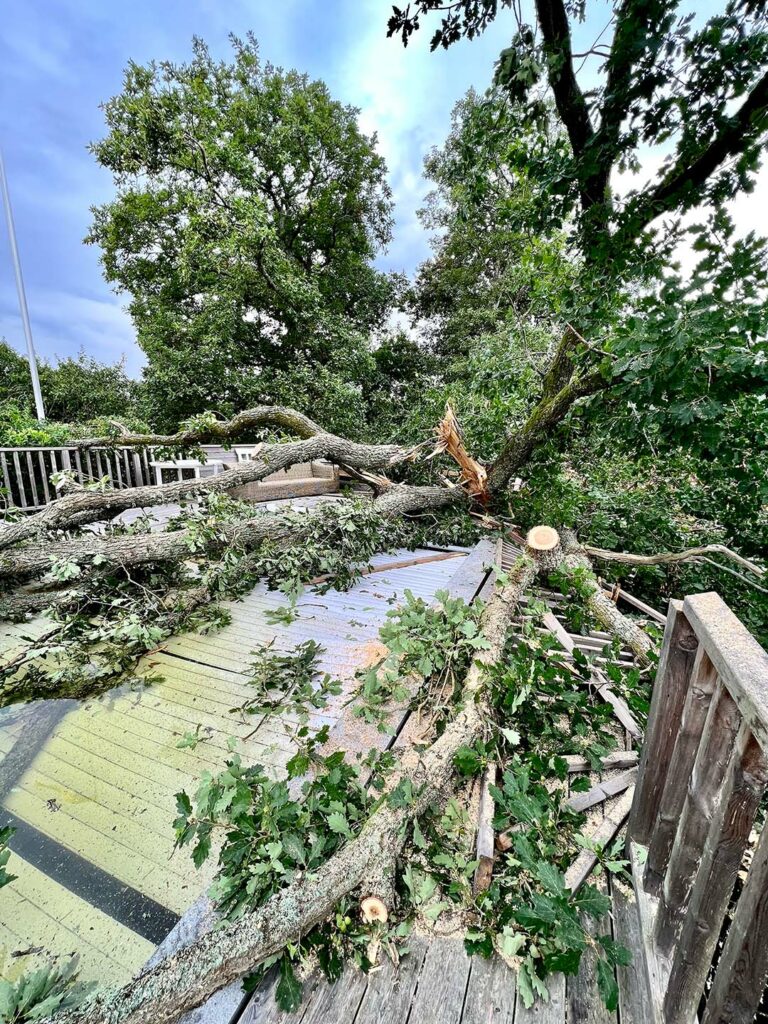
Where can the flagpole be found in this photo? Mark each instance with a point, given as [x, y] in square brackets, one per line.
[21, 293]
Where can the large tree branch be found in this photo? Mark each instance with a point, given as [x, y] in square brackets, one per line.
[671, 557]
[639, 28]
[599, 603]
[685, 180]
[101, 553]
[225, 430]
[569, 99]
[85, 506]
[186, 979]
[546, 415]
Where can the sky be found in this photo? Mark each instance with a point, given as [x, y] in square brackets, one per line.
[59, 59]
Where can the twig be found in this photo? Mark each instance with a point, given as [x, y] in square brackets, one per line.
[669, 557]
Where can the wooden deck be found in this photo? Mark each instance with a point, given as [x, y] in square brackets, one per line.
[91, 786]
[437, 983]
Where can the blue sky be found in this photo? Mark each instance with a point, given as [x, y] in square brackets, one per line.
[59, 59]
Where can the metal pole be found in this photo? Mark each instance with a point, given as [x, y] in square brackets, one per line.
[21, 293]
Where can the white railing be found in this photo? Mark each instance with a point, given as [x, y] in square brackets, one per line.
[25, 473]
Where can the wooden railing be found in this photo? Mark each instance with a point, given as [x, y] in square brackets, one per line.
[25, 473]
[702, 777]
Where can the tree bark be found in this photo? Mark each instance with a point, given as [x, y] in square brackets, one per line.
[671, 557]
[538, 428]
[99, 553]
[226, 430]
[90, 506]
[187, 978]
[600, 605]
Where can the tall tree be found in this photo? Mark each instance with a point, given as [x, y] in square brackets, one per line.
[249, 208]
[697, 95]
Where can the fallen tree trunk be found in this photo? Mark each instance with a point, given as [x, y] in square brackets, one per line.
[35, 560]
[84, 506]
[600, 605]
[220, 957]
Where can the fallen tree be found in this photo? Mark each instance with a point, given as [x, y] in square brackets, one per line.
[364, 867]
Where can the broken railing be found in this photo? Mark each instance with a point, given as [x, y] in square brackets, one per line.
[693, 825]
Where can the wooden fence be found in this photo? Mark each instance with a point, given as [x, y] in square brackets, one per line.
[693, 827]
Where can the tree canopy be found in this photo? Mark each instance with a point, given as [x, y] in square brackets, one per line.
[249, 208]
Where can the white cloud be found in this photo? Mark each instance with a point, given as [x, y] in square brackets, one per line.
[405, 96]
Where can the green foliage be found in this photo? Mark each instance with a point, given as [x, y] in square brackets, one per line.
[249, 209]
[435, 642]
[19, 428]
[651, 497]
[6, 833]
[287, 685]
[42, 993]
[528, 915]
[268, 836]
[80, 395]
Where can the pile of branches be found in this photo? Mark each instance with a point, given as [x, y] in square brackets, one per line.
[367, 864]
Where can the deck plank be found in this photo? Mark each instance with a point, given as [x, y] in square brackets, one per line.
[63, 923]
[551, 1012]
[491, 993]
[390, 989]
[634, 998]
[585, 1006]
[439, 997]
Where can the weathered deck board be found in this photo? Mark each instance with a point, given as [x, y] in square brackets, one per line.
[490, 997]
[583, 996]
[634, 999]
[390, 990]
[439, 997]
[551, 1012]
[439, 984]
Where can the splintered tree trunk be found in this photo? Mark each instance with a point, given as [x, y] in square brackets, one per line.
[186, 979]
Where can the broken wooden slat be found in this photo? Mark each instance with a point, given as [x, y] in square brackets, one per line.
[485, 840]
[640, 605]
[602, 791]
[617, 759]
[603, 688]
[583, 866]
